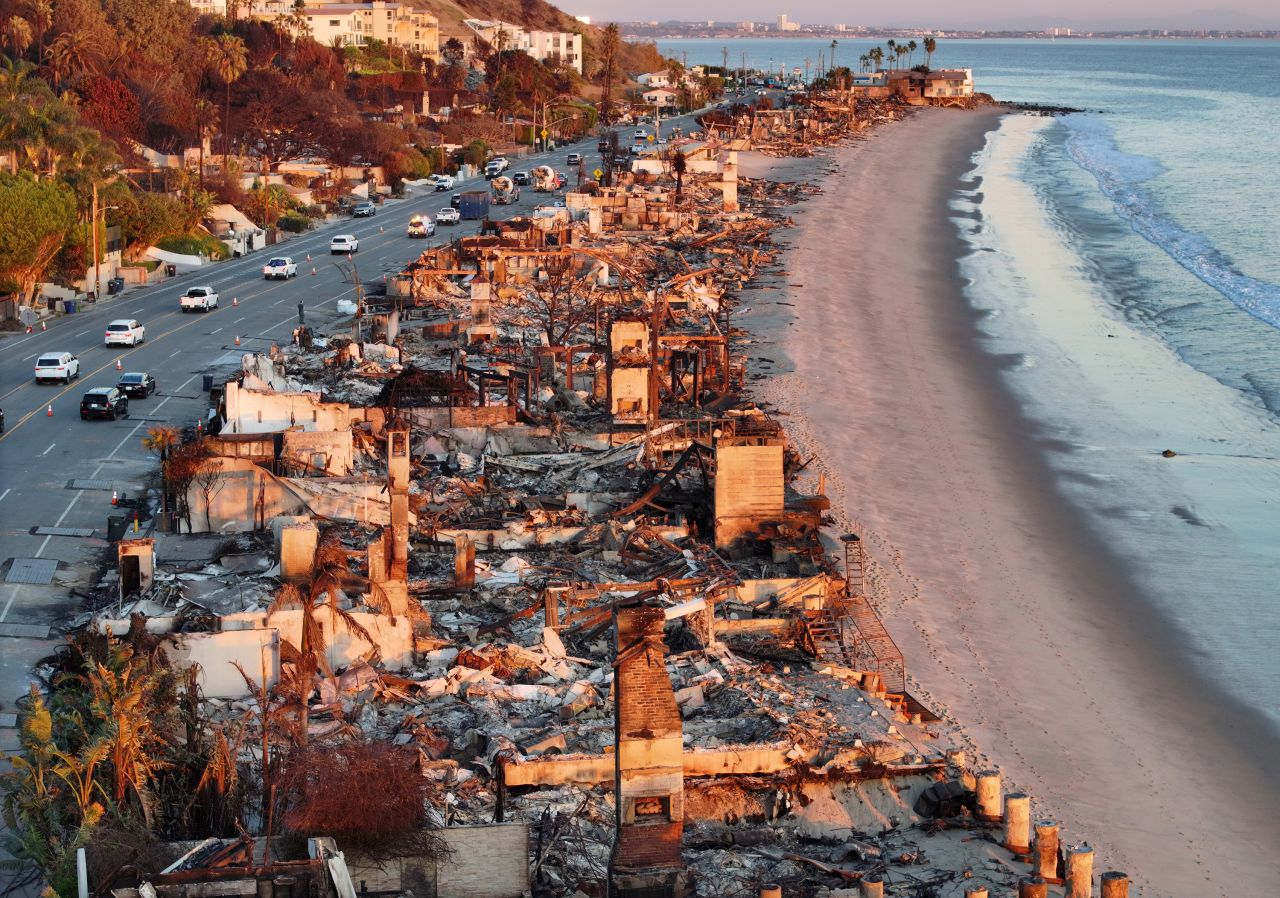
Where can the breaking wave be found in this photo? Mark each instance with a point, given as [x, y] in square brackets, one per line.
[1120, 176]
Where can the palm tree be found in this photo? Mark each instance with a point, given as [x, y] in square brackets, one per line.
[229, 60]
[929, 46]
[877, 56]
[71, 54]
[206, 116]
[893, 52]
[911, 51]
[17, 34]
[40, 14]
[833, 55]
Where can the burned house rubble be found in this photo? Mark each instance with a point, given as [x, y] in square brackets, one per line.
[520, 517]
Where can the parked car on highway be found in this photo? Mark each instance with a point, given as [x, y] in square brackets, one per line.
[125, 332]
[456, 200]
[199, 299]
[448, 216]
[104, 402]
[442, 182]
[281, 267]
[574, 159]
[136, 384]
[523, 178]
[61, 366]
[344, 243]
[640, 134]
[364, 209]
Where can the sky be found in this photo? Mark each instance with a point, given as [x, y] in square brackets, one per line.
[989, 14]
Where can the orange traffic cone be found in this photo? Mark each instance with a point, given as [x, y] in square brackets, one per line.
[237, 339]
[43, 326]
[308, 257]
[115, 498]
[118, 365]
[235, 301]
[313, 271]
[28, 328]
[49, 413]
[381, 229]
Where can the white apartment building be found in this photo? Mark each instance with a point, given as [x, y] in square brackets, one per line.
[784, 24]
[543, 46]
[350, 24]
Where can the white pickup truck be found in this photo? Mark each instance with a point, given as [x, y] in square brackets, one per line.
[199, 299]
[281, 267]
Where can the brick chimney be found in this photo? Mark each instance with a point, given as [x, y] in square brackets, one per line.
[648, 762]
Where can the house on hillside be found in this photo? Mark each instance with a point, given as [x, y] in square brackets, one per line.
[355, 24]
[661, 99]
[654, 79]
[548, 47]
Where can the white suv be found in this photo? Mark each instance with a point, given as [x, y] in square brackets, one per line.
[125, 332]
[344, 243]
[61, 366]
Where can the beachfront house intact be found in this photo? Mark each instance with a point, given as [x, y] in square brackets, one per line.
[550, 47]
[937, 84]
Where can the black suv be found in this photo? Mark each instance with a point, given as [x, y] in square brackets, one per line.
[104, 402]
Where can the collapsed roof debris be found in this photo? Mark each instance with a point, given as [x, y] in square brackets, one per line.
[521, 519]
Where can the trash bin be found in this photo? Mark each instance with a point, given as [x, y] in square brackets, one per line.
[207, 383]
[51, 303]
[68, 306]
[117, 525]
[115, 285]
[171, 270]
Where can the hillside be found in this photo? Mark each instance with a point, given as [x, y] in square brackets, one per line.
[537, 14]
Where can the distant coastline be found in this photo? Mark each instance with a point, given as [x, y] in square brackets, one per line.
[633, 33]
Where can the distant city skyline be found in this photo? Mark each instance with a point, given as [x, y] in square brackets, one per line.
[992, 15]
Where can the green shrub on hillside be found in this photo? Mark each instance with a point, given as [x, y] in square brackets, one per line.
[293, 222]
[196, 245]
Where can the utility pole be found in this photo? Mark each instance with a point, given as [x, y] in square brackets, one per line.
[97, 258]
[724, 61]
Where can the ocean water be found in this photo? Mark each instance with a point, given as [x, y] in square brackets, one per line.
[1129, 255]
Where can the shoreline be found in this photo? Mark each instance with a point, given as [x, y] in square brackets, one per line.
[1053, 664]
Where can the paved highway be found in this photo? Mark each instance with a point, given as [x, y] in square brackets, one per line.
[59, 471]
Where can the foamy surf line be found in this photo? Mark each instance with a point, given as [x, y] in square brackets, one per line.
[1119, 175]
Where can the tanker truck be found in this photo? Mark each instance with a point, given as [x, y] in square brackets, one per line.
[504, 190]
[544, 179]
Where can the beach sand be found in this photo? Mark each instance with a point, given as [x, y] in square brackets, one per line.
[1016, 622]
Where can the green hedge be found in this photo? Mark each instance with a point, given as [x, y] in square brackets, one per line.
[293, 222]
[195, 245]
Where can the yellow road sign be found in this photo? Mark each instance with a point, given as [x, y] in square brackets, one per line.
[598, 173]
[545, 133]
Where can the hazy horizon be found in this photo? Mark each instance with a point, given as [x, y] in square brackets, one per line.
[991, 15]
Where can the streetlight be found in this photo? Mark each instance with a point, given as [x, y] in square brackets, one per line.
[97, 256]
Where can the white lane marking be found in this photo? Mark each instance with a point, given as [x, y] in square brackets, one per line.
[13, 592]
[5, 493]
[138, 311]
[47, 451]
[241, 318]
[179, 352]
[82, 333]
[211, 333]
[30, 357]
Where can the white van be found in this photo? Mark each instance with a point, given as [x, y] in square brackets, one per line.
[61, 366]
